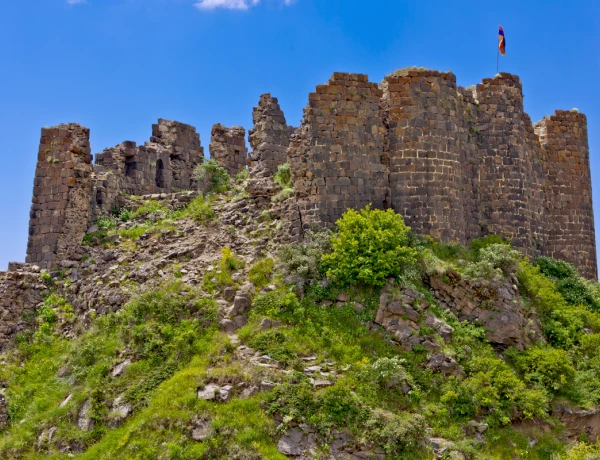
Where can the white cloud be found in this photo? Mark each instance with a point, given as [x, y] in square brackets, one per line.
[75, 2]
[228, 4]
[232, 4]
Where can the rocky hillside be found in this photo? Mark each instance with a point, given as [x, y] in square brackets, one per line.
[213, 326]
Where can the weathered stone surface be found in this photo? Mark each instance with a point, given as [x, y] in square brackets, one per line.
[495, 305]
[335, 155]
[571, 232]
[84, 421]
[270, 136]
[61, 204]
[21, 292]
[581, 423]
[201, 430]
[228, 147]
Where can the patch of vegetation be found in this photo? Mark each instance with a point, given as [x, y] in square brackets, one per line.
[212, 177]
[221, 276]
[261, 272]
[370, 247]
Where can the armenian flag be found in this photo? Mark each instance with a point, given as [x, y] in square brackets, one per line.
[502, 43]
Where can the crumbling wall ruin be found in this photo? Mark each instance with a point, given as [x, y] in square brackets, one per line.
[270, 136]
[163, 165]
[61, 207]
[228, 147]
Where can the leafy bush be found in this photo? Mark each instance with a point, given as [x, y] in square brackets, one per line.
[556, 269]
[211, 177]
[493, 390]
[283, 176]
[495, 261]
[301, 262]
[200, 210]
[273, 304]
[574, 289]
[547, 367]
[369, 248]
[390, 372]
[480, 243]
[260, 273]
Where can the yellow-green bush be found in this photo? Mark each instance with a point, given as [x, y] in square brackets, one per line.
[370, 247]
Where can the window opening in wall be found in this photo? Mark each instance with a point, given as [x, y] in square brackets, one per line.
[160, 174]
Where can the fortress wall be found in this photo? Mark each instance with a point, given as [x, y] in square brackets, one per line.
[60, 208]
[182, 143]
[467, 111]
[569, 211]
[228, 147]
[270, 136]
[164, 164]
[423, 147]
[336, 155]
[509, 199]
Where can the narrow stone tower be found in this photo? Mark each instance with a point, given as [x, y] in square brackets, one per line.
[61, 208]
[570, 215]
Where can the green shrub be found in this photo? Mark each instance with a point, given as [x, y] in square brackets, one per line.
[200, 210]
[480, 243]
[389, 372]
[493, 390]
[211, 177]
[574, 289]
[273, 304]
[495, 261]
[260, 273]
[283, 176]
[369, 248]
[547, 367]
[301, 262]
[165, 322]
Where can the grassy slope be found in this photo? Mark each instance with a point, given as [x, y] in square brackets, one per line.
[172, 338]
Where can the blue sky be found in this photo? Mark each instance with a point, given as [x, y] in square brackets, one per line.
[116, 66]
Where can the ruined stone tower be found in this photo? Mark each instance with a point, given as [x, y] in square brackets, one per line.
[270, 136]
[228, 147]
[571, 234]
[61, 209]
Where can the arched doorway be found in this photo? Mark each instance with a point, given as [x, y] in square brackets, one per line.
[160, 174]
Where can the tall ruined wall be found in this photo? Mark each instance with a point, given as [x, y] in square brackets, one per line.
[228, 147]
[164, 164]
[336, 154]
[61, 207]
[511, 191]
[423, 152]
[270, 136]
[569, 211]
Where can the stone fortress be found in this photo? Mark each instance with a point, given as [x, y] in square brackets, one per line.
[456, 163]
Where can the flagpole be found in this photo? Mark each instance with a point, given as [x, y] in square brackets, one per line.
[497, 58]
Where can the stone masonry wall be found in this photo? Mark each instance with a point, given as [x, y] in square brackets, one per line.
[511, 192]
[570, 215]
[270, 136]
[21, 290]
[228, 147]
[61, 207]
[336, 155]
[423, 151]
[456, 163]
[163, 165]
